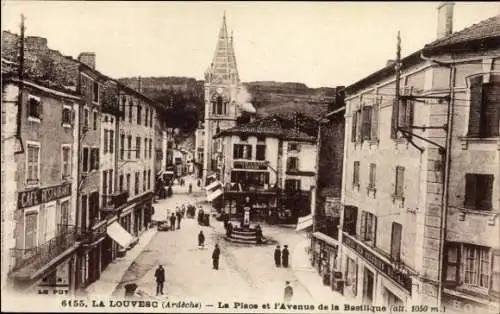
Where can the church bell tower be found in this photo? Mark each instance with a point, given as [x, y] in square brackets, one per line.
[222, 84]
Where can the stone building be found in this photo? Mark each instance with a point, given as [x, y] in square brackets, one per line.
[420, 193]
[272, 161]
[39, 166]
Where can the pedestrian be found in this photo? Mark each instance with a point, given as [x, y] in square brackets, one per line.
[199, 182]
[277, 256]
[215, 257]
[179, 217]
[160, 279]
[172, 221]
[288, 292]
[183, 210]
[229, 229]
[284, 256]
[201, 239]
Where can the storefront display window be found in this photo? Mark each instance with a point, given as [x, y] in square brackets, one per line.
[351, 275]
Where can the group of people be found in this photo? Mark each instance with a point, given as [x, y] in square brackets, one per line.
[281, 256]
[177, 217]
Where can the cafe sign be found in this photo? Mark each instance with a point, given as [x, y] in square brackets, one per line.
[252, 165]
[39, 196]
[401, 279]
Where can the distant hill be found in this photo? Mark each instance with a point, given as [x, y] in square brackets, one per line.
[186, 94]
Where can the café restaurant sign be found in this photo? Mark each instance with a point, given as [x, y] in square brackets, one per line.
[44, 195]
[403, 280]
[253, 165]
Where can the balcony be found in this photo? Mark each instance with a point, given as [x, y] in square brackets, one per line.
[26, 262]
[113, 201]
[92, 234]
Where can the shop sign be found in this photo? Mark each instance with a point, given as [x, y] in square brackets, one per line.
[251, 165]
[44, 195]
[333, 206]
[403, 280]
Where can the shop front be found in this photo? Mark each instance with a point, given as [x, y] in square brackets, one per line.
[324, 257]
[370, 278]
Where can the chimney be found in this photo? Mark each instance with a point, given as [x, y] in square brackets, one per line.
[445, 19]
[35, 43]
[87, 58]
[139, 84]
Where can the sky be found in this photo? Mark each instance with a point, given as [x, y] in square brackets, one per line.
[316, 43]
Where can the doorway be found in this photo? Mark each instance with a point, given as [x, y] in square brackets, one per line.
[368, 281]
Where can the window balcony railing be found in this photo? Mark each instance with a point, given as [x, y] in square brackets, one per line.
[37, 257]
[113, 201]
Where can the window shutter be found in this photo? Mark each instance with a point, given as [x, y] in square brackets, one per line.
[408, 122]
[366, 132]
[476, 97]
[393, 119]
[485, 187]
[374, 229]
[73, 117]
[39, 108]
[470, 190]
[492, 111]
[354, 122]
[396, 241]
[451, 264]
[374, 126]
[85, 159]
[495, 273]
[362, 229]
[359, 126]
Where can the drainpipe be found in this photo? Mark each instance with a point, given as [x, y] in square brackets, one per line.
[446, 179]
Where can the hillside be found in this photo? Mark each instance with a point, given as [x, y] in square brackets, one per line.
[269, 97]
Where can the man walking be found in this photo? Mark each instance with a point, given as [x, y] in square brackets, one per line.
[284, 256]
[288, 292]
[172, 222]
[215, 257]
[179, 216]
[277, 256]
[201, 239]
[160, 279]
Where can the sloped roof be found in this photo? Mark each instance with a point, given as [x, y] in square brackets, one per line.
[276, 126]
[486, 29]
[224, 61]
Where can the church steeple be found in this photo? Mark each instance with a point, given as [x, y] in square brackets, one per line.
[224, 68]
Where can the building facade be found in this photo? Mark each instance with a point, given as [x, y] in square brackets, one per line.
[413, 166]
[326, 216]
[271, 160]
[199, 147]
[39, 155]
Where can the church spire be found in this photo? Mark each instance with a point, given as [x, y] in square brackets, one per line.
[224, 62]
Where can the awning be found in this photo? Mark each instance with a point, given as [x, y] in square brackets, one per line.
[119, 235]
[212, 186]
[304, 222]
[169, 172]
[214, 195]
[323, 237]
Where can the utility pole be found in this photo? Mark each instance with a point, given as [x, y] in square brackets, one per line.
[20, 73]
[397, 83]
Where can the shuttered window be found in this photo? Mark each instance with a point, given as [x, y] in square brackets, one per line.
[396, 241]
[105, 141]
[484, 107]
[138, 147]
[30, 230]
[476, 265]
[478, 191]
[452, 264]
[84, 212]
[495, 274]
[399, 184]
[122, 146]
[292, 164]
[350, 219]
[261, 152]
[354, 126]
[355, 176]
[129, 152]
[374, 120]
[367, 123]
[373, 174]
[111, 141]
[368, 227]
[85, 163]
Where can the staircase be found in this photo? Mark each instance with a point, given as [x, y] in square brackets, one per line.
[244, 236]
